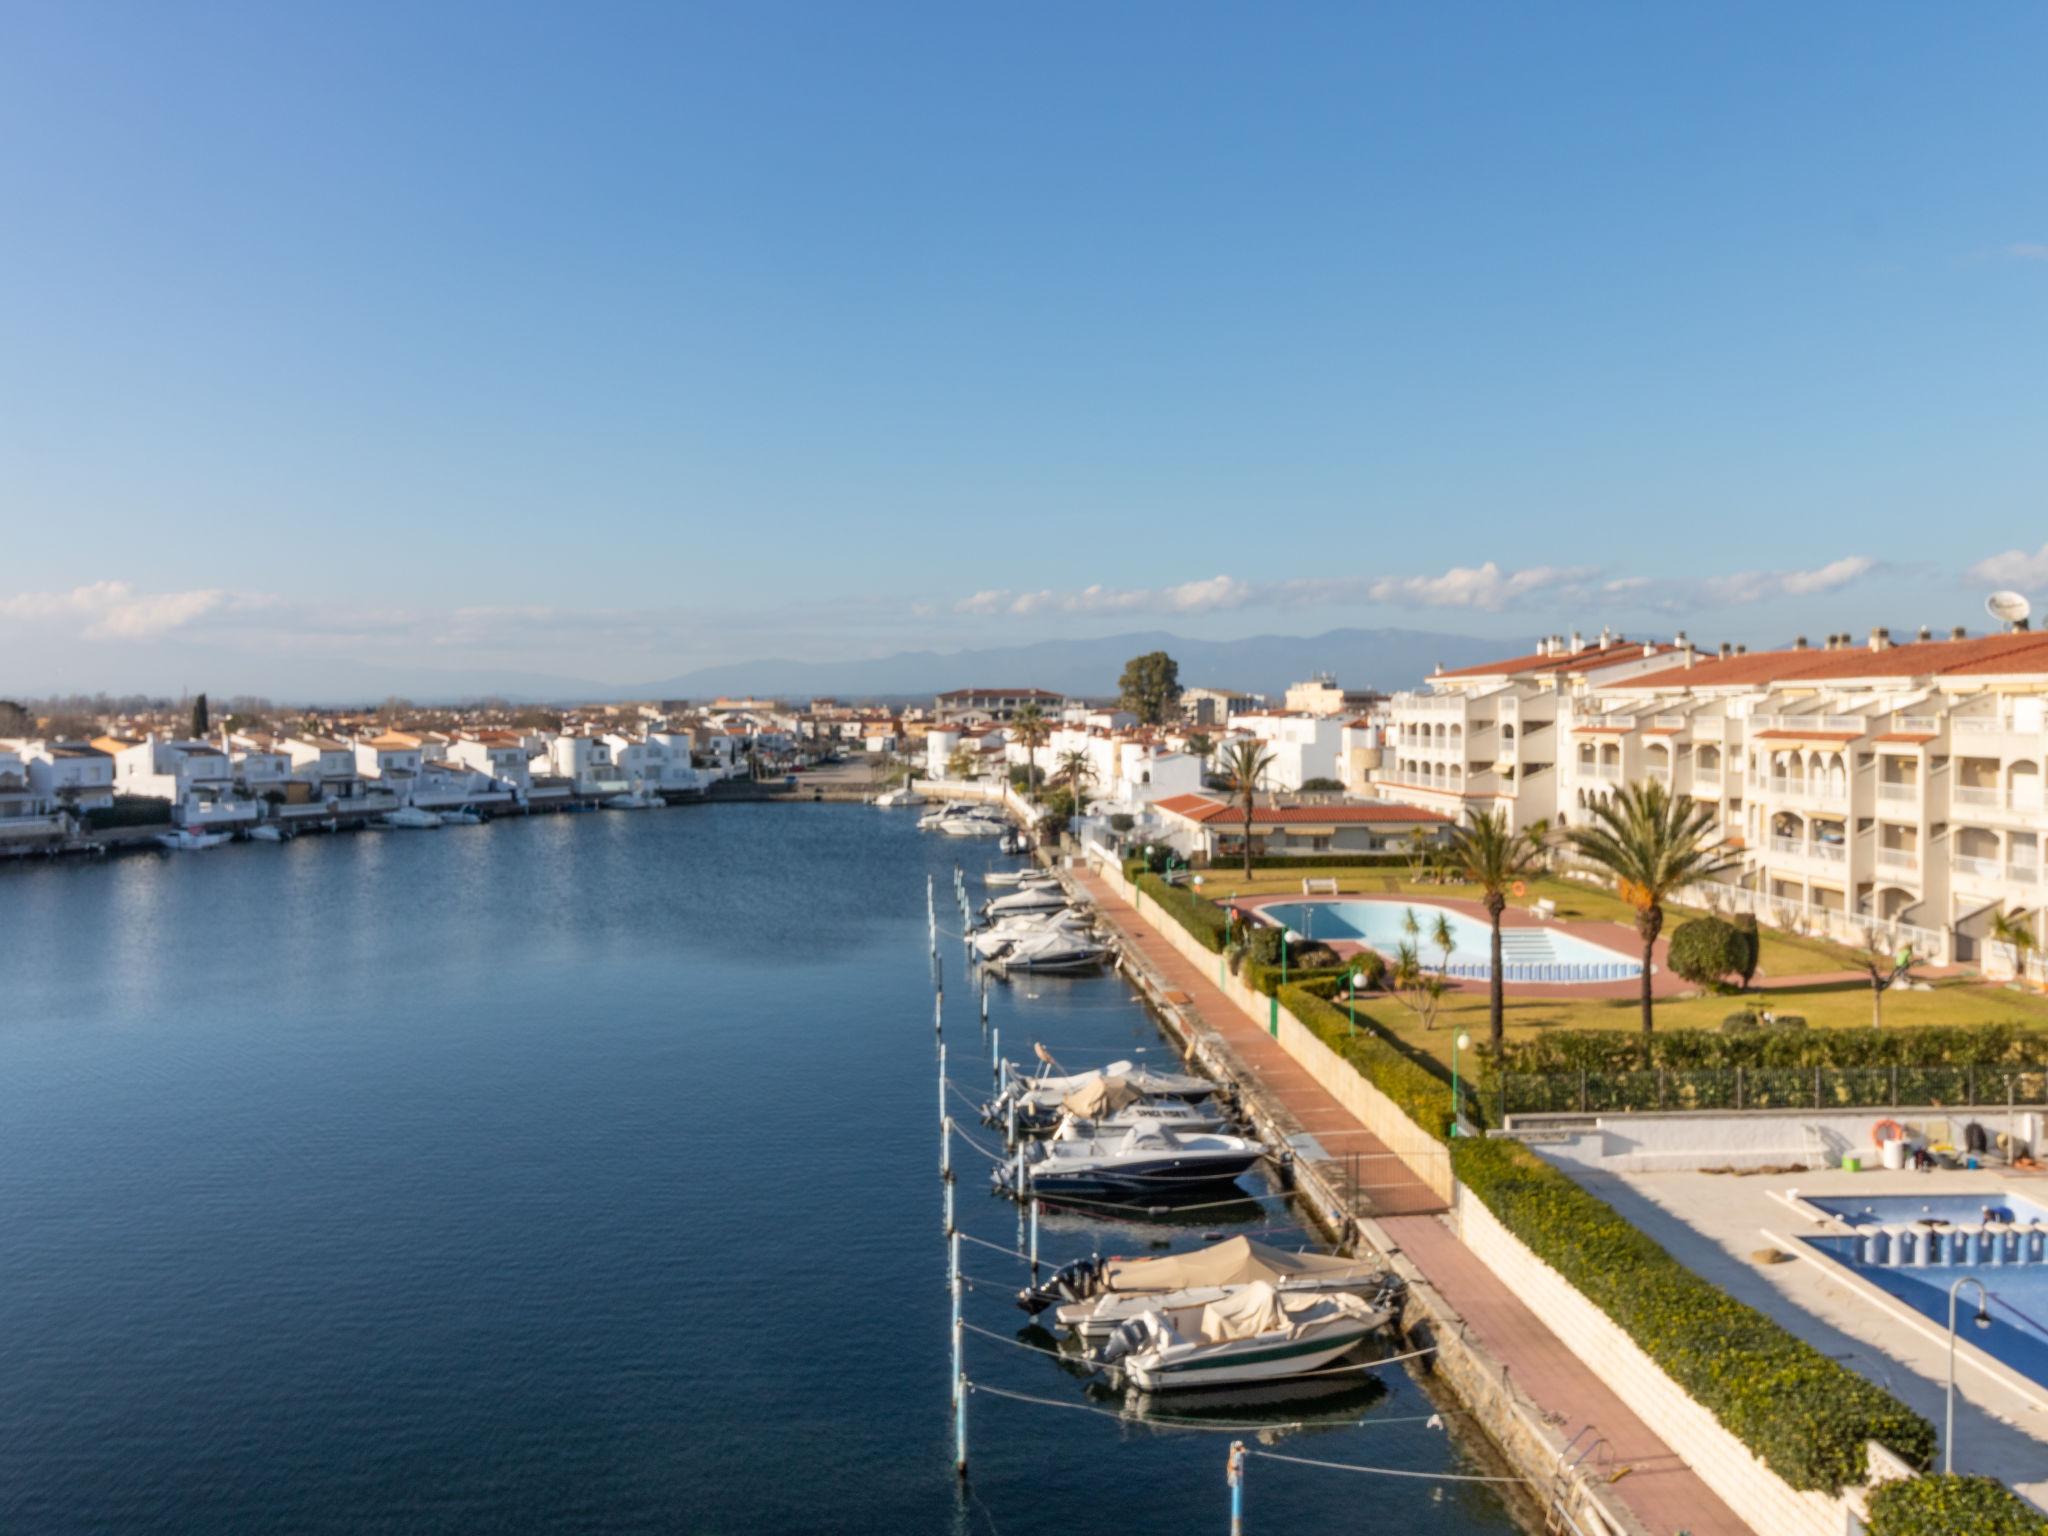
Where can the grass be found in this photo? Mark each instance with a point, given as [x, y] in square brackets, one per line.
[1780, 954]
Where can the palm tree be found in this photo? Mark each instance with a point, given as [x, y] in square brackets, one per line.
[1538, 833]
[1202, 747]
[1245, 762]
[2016, 931]
[1031, 727]
[1485, 853]
[1075, 771]
[1655, 844]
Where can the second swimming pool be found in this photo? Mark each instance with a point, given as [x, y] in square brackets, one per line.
[1537, 955]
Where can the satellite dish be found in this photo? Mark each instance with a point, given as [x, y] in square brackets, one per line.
[2008, 607]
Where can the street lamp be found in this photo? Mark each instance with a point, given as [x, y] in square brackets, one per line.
[1462, 1043]
[1288, 939]
[1983, 1320]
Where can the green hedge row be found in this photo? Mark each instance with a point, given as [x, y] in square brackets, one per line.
[131, 811]
[1952, 1506]
[1325, 861]
[1209, 923]
[1593, 1050]
[1804, 1415]
[1422, 1096]
[1266, 978]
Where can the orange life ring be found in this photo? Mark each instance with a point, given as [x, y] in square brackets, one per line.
[1521, 889]
[1878, 1136]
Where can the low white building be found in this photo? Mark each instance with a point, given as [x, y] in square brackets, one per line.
[505, 757]
[196, 777]
[69, 775]
[1303, 747]
[586, 762]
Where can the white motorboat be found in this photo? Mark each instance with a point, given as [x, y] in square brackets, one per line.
[1019, 879]
[1257, 1333]
[971, 826]
[633, 800]
[410, 818]
[185, 840]
[1042, 1099]
[1147, 1162]
[892, 798]
[1110, 1106]
[1054, 952]
[1094, 1297]
[1041, 898]
[990, 943]
[1013, 842]
[464, 817]
[266, 832]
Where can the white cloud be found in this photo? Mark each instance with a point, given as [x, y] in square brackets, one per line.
[2028, 250]
[2014, 568]
[1758, 586]
[1480, 586]
[113, 610]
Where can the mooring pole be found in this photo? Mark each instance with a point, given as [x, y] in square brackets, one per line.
[1012, 1127]
[1234, 1474]
[942, 1082]
[960, 1426]
[1034, 1238]
[953, 1285]
[1023, 1193]
[995, 1052]
[945, 1146]
[938, 1013]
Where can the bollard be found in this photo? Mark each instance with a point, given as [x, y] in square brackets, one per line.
[1234, 1475]
[1034, 1239]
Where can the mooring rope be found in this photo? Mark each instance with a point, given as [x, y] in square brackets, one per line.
[1346, 1466]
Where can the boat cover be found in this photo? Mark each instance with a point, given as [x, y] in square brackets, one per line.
[1244, 1314]
[1104, 1096]
[1234, 1261]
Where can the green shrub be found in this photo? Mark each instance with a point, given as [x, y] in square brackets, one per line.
[1744, 924]
[1744, 1023]
[1595, 1050]
[130, 811]
[1705, 949]
[1422, 1096]
[1952, 1506]
[1338, 859]
[1208, 922]
[1785, 1021]
[1803, 1414]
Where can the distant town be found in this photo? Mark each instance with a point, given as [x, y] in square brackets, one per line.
[1883, 785]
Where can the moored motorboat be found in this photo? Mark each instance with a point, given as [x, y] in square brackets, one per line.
[266, 832]
[1095, 1296]
[1111, 1106]
[410, 818]
[889, 799]
[1042, 1099]
[1047, 898]
[1056, 951]
[633, 800]
[463, 816]
[1257, 1333]
[1015, 879]
[994, 942]
[185, 840]
[1147, 1161]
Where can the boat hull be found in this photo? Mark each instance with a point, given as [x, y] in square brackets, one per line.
[1248, 1360]
[1155, 1178]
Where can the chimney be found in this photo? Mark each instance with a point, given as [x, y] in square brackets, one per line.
[1959, 633]
[1649, 648]
[1606, 636]
[1742, 650]
[1799, 643]
[1880, 639]
[1578, 642]
[1926, 634]
[1724, 652]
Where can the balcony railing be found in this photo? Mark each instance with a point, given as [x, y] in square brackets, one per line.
[1906, 793]
[1971, 794]
[1919, 724]
[2023, 874]
[1984, 869]
[1897, 858]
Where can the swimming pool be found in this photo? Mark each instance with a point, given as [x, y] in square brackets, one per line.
[1915, 1248]
[1527, 954]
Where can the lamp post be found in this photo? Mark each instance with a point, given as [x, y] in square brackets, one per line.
[1288, 939]
[1351, 998]
[1983, 1320]
[1463, 1042]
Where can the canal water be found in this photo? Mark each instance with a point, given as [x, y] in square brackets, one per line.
[573, 1174]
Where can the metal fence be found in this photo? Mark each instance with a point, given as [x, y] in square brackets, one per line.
[1738, 1088]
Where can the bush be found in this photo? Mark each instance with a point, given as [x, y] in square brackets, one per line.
[1805, 1416]
[130, 811]
[1122, 821]
[1322, 786]
[1594, 1050]
[1278, 862]
[1952, 1506]
[1421, 1095]
[1744, 924]
[1744, 1023]
[1785, 1021]
[1208, 922]
[1704, 950]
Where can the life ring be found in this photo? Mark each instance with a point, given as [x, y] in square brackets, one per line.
[1878, 1136]
[1521, 889]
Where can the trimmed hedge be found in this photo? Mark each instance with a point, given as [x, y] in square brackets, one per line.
[1952, 1506]
[1333, 860]
[1209, 923]
[130, 811]
[1596, 1050]
[1805, 1416]
[1422, 1096]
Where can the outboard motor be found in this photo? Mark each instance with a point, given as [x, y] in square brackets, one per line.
[1070, 1282]
[1127, 1340]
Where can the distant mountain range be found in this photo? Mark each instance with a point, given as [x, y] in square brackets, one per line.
[1360, 658]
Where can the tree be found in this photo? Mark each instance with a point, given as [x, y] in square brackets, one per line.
[1150, 687]
[1076, 772]
[2017, 933]
[1202, 747]
[1320, 786]
[1654, 844]
[1421, 850]
[1032, 728]
[1538, 833]
[1483, 852]
[199, 719]
[1706, 950]
[960, 764]
[1417, 987]
[1883, 965]
[1744, 924]
[1245, 762]
[15, 720]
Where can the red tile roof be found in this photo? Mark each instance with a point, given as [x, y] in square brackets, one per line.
[1613, 653]
[2025, 653]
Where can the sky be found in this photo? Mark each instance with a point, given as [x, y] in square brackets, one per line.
[403, 342]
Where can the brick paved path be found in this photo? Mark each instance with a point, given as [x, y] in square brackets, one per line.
[1662, 1492]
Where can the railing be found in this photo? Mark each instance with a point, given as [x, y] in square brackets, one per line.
[1852, 928]
[1745, 1088]
[1975, 725]
[1829, 853]
[1666, 721]
[1897, 858]
[1709, 727]
[1919, 724]
[1966, 864]
[1661, 775]
[1855, 723]
[1973, 794]
[1908, 793]
[2023, 874]
[1791, 845]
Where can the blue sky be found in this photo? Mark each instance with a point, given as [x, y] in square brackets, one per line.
[612, 340]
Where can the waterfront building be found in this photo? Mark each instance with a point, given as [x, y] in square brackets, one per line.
[1320, 695]
[68, 776]
[505, 756]
[986, 706]
[392, 760]
[586, 763]
[1303, 747]
[1203, 827]
[27, 819]
[196, 777]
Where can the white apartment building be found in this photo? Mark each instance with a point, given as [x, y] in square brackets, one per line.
[1303, 747]
[503, 756]
[653, 762]
[68, 775]
[1865, 787]
[586, 761]
[197, 777]
[27, 819]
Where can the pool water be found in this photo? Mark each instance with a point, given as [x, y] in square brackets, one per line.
[1916, 1248]
[1527, 954]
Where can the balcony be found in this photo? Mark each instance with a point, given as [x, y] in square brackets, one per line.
[1803, 789]
[2023, 874]
[1899, 794]
[1898, 858]
[1971, 794]
[1982, 869]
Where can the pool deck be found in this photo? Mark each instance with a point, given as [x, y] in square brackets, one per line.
[1714, 1222]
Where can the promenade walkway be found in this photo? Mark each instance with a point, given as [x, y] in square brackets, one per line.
[1658, 1488]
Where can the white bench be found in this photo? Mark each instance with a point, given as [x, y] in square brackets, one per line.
[1546, 909]
[1319, 885]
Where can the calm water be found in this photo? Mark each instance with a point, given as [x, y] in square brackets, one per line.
[576, 1174]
